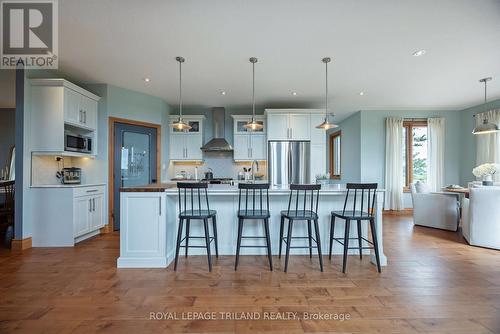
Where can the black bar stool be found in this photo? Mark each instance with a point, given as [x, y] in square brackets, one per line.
[257, 209]
[308, 212]
[359, 216]
[190, 207]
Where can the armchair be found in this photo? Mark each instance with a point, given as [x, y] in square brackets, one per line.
[432, 209]
[481, 217]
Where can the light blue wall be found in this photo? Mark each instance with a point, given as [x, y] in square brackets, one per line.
[350, 149]
[468, 142]
[373, 142]
[124, 103]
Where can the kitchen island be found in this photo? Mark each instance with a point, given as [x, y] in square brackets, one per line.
[149, 223]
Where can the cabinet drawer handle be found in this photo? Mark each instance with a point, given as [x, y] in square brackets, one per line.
[92, 191]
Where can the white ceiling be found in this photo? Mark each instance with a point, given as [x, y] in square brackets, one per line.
[371, 43]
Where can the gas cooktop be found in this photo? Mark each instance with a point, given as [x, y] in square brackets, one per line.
[221, 180]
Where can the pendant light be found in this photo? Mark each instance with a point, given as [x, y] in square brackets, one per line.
[486, 127]
[179, 123]
[326, 124]
[253, 125]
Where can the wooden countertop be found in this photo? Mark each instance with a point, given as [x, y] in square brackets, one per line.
[155, 187]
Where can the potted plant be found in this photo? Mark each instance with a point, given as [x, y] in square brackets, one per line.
[323, 178]
[486, 172]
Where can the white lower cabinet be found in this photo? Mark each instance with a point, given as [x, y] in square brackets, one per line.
[81, 207]
[88, 214]
[142, 230]
[67, 215]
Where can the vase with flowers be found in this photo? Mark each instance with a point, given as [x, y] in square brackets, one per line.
[486, 172]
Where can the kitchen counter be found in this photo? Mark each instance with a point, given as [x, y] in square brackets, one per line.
[68, 185]
[151, 188]
[149, 223]
[227, 189]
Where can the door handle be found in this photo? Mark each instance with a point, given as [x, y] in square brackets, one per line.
[93, 204]
[159, 198]
[80, 116]
[90, 205]
[85, 116]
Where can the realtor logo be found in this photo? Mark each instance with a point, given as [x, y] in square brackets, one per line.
[29, 35]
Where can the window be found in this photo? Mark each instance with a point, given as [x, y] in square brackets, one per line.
[335, 155]
[414, 151]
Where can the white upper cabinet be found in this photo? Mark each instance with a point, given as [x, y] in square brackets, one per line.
[72, 111]
[186, 145]
[295, 124]
[249, 145]
[58, 105]
[300, 126]
[278, 127]
[288, 124]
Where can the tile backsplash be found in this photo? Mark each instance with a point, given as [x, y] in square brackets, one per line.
[44, 168]
[222, 164]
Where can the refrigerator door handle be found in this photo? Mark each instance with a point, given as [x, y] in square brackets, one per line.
[290, 170]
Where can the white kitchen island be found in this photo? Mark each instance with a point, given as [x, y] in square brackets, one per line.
[149, 224]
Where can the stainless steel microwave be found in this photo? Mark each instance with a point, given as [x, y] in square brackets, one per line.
[77, 143]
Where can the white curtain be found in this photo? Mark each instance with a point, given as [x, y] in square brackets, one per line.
[394, 163]
[435, 146]
[488, 145]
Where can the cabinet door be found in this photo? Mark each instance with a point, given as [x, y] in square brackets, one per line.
[177, 147]
[318, 161]
[143, 226]
[258, 147]
[300, 126]
[72, 108]
[89, 109]
[318, 136]
[97, 220]
[193, 147]
[241, 147]
[81, 210]
[277, 126]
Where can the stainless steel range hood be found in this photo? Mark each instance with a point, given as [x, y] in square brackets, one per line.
[218, 143]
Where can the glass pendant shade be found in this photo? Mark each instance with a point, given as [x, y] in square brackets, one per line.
[326, 125]
[485, 128]
[253, 125]
[179, 124]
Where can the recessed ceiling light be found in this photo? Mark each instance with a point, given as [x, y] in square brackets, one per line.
[223, 92]
[419, 53]
[146, 79]
[294, 93]
[361, 93]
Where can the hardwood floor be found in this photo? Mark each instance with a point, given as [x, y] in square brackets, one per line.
[434, 283]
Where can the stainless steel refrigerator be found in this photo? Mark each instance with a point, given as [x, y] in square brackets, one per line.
[288, 162]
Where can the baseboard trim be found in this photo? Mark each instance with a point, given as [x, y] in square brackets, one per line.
[404, 212]
[106, 229]
[21, 244]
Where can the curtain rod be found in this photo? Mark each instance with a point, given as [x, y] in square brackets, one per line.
[415, 119]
